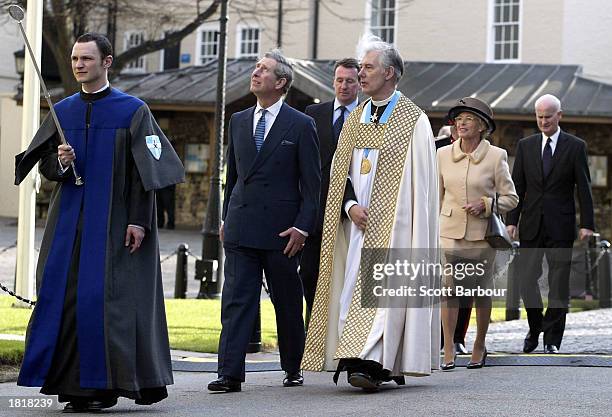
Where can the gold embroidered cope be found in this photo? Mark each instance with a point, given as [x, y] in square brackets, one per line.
[392, 139]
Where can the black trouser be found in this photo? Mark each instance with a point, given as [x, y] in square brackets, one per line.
[64, 374]
[244, 268]
[559, 257]
[309, 269]
[165, 204]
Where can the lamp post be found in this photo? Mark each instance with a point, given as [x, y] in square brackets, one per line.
[20, 62]
[212, 254]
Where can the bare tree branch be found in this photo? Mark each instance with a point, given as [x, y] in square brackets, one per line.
[172, 39]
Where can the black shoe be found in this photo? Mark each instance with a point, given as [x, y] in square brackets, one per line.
[480, 363]
[75, 407]
[450, 365]
[225, 384]
[293, 379]
[531, 342]
[460, 349]
[363, 381]
[551, 349]
[98, 405]
[88, 406]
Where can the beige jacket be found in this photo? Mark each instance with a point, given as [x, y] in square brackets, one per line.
[467, 178]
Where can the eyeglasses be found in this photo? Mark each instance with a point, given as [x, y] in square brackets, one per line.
[464, 119]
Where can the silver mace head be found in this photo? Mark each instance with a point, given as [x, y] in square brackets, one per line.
[16, 12]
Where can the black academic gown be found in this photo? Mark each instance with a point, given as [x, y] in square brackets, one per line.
[99, 327]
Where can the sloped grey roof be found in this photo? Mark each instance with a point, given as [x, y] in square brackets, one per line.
[434, 86]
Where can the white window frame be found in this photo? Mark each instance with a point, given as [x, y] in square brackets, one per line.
[368, 19]
[206, 28]
[491, 42]
[139, 64]
[239, 41]
[161, 54]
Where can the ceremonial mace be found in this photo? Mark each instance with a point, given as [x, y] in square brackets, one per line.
[17, 14]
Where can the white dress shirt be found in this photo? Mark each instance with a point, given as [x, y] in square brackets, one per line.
[271, 114]
[553, 140]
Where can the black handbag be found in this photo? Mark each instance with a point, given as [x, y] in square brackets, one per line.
[497, 236]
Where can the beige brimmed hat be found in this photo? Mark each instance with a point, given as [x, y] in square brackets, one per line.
[473, 105]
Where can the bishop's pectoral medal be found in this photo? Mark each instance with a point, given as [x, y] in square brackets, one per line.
[366, 166]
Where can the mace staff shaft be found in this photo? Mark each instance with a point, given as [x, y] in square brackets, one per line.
[17, 14]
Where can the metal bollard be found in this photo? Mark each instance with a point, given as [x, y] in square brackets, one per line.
[590, 255]
[513, 295]
[206, 271]
[605, 276]
[180, 283]
[255, 342]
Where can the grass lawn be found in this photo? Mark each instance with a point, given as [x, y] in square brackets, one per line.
[196, 324]
[11, 352]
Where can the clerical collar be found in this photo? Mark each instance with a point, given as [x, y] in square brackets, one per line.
[96, 95]
[383, 102]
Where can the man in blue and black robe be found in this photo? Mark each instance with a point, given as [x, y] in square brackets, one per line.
[98, 330]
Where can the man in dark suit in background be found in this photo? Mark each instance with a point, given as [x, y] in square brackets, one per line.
[547, 169]
[329, 118]
[270, 206]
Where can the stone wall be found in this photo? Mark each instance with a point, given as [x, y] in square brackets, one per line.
[191, 197]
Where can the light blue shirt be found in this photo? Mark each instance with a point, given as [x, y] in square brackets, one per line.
[349, 109]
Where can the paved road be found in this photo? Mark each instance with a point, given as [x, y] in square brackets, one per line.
[492, 391]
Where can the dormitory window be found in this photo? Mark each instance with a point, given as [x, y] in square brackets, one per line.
[133, 39]
[506, 27]
[209, 45]
[382, 19]
[249, 43]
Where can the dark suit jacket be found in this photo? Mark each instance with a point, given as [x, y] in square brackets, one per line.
[323, 116]
[552, 198]
[442, 142]
[276, 188]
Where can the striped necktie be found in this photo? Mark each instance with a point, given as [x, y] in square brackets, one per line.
[339, 122]
[260, 130]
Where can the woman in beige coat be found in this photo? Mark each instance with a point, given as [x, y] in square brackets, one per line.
[471, 172]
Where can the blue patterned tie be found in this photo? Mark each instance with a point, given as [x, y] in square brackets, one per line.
[547, 158]
[260, 130]
[339, 122]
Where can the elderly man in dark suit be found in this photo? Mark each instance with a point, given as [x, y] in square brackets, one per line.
[548, 168]
[270, 207]
[329, 118]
